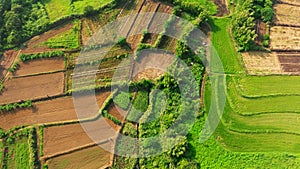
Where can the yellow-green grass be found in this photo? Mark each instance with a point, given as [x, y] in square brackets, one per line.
[222, 42]
[268, 85]
[259, 105]
[58, 9]
[1, 153]
[79, 6]
[216, 153]
[68, 39]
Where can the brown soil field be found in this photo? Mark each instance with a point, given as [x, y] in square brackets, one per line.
[259, 63]
[93, 157]
[150, 38]
[40, 66]
[290, 62]
[32, 87]
[33, 44]
[222, 7]
[6, 61]
[55, 110]
[286, 15]
[141, 23]
[59, 139]
[292, 2]
[285, 38]
[261, 30]
[117, 112]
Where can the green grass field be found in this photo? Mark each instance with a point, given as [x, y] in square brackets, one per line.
[58, 9]
[68, 39]
[259, 127]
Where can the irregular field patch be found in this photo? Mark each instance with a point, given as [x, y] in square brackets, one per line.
[33, 87]
[292, 2]
[93, 157]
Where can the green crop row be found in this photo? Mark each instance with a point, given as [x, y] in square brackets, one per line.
[13, 106]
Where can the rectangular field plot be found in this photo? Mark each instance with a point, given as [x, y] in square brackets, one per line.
[40, 66]
[93, 157]
[56, 110]
[285, 38]
[62, 139]
[287, 15]
[292, 2]
[33, 87]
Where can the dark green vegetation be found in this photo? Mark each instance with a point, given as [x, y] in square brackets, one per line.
[20, 20]
[243, 22]
[122, 99]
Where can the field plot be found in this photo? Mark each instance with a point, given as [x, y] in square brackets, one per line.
[285, 38]
[34, 44]
[40, 66]
[287, 15]
[93, 157]
[32, 87]
[290, 62]
[117, 112]
[67, 40]
[141, 23]
[61, 139]
[258, 63]
[292, 2]
[6, 61]
[80, 6]
[58, 9]
[56, 110]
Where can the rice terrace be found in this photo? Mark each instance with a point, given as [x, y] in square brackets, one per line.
[43, 44]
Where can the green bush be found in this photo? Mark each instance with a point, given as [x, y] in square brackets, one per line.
[13, 106]
[122, 99]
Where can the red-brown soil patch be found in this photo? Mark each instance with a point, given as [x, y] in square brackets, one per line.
[93, 157]
[59, 139]
[261, 30]
[40, 66]
[222, 7]
[33, 87]
[55, 110]
[33, 45]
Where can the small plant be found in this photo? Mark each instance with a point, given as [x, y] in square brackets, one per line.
[14, 67]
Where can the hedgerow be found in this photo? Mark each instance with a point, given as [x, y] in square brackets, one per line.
[26, 57]
[13, 106]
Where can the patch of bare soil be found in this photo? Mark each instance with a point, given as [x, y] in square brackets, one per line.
[40, 66]
[222, 8]
[32, 87]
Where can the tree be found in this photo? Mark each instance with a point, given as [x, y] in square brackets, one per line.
[243, 26]
[267, 14]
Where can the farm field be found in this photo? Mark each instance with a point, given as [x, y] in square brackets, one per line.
[34, 44]
[94, 157]
[60, 139]
[40, 66]
[287, 15]
[284, 38]
[32, 87]
[292, 2]
[57, 9]
[55, 110]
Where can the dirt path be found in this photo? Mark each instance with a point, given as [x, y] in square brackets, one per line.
[222, 8]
